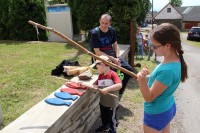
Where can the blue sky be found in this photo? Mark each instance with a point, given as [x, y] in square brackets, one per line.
[159, 4]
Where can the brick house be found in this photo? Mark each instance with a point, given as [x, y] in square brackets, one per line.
[182, 17]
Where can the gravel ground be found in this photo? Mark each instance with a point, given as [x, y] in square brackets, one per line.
[187, 119]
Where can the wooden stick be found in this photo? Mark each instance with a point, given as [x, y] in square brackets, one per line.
[95, 88]
[113, 95]
[83, 49]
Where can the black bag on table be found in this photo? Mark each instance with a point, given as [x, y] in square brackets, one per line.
[59, 69]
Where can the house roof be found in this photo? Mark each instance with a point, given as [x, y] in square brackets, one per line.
[190, 13]
[168, 5]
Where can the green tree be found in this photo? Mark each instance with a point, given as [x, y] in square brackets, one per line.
[20, 12]
[122, 12]
[76, 28]
[57, 2]
[4, 29]
[176, 3]
[145, 6]
[88, 12]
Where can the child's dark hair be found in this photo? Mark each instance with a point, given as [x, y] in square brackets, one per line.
[169, 33]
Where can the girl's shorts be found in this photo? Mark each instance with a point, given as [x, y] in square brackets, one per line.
[160, 121]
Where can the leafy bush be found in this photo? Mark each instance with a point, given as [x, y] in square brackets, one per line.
[15, 19]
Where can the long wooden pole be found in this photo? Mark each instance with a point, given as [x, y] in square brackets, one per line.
[83, 49]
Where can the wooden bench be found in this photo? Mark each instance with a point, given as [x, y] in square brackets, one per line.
[45, 118]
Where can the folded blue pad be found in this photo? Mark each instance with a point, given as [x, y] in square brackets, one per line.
[57, 102]
[65, 96]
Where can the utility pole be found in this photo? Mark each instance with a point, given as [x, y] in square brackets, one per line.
[152, 14]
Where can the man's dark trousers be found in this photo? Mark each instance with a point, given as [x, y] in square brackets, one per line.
[125, 65]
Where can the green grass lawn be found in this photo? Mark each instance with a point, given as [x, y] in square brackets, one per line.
[25, 69]
[25, 78]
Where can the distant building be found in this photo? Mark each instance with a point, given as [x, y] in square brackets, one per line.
[149, 17]
[182, 17]
[191, 16]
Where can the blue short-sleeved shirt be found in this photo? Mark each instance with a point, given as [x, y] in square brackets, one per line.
[170, 75]
[105, 40]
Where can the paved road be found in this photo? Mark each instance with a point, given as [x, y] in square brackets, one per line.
[188, 95]
[187, 119]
